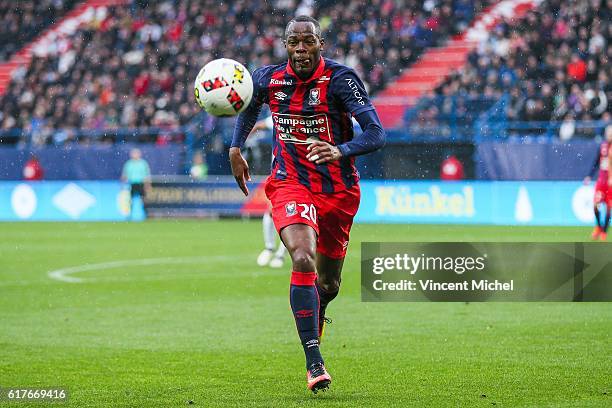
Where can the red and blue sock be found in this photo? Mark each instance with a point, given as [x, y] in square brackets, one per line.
[304, 301]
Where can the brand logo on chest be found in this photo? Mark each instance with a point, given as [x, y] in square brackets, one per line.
[274, 81]
[280, 96]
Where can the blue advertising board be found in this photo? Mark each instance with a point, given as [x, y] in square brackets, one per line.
[478, 202]
[64, 201]
[470, 202]
[110, 200]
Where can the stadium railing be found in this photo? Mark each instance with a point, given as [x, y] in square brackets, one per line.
[453, 129]
[538, 131]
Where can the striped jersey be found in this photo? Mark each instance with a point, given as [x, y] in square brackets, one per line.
[318, 108]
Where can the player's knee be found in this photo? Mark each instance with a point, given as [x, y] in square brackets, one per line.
[303, 260]
[329, 283]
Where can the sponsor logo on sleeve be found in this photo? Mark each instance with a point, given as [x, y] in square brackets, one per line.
[355, 90]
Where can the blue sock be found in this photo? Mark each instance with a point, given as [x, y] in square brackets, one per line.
[305, 306]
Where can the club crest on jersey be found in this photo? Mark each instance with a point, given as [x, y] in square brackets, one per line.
[280, 96]
[313, 98]
[291, 209]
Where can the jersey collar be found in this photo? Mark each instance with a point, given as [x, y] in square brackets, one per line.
[315, 75]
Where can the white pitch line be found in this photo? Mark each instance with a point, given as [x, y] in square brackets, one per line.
[63, 274]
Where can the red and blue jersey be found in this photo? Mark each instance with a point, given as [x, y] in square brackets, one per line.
[317, 108]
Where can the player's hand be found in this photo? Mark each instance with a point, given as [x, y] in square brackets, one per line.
[587, 181]
[322, 152]
[240, 169]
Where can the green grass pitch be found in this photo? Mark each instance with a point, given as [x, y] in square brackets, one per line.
[166, 312]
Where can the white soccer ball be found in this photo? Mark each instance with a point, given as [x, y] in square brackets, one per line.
[223, 87]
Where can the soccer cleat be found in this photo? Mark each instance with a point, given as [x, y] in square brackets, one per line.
[264, 257]
[322, 322]
[596, 232]
[603, 235]
[276, 262]
[318, 378]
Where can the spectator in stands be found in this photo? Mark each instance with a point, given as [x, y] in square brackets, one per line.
[577, 68]
[33, 170]
[451, 169]
[199, 169]
[567, 128]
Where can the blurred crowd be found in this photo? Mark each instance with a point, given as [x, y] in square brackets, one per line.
[22, 21]
[553, 64]
[134, 66]
[389, 35]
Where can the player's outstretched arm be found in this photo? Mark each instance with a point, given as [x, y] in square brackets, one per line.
[244, 125]
[248, 118]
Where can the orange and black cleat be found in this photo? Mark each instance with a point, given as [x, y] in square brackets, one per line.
[596, 232]
[603, 236]
[318, 378]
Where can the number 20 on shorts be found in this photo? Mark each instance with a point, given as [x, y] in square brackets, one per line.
[308, 212]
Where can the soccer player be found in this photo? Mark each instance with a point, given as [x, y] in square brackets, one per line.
[603, 186]
[313, 185]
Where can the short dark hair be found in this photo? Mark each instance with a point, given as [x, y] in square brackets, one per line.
[304, 19]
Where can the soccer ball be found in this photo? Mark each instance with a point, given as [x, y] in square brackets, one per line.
[223, 87]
